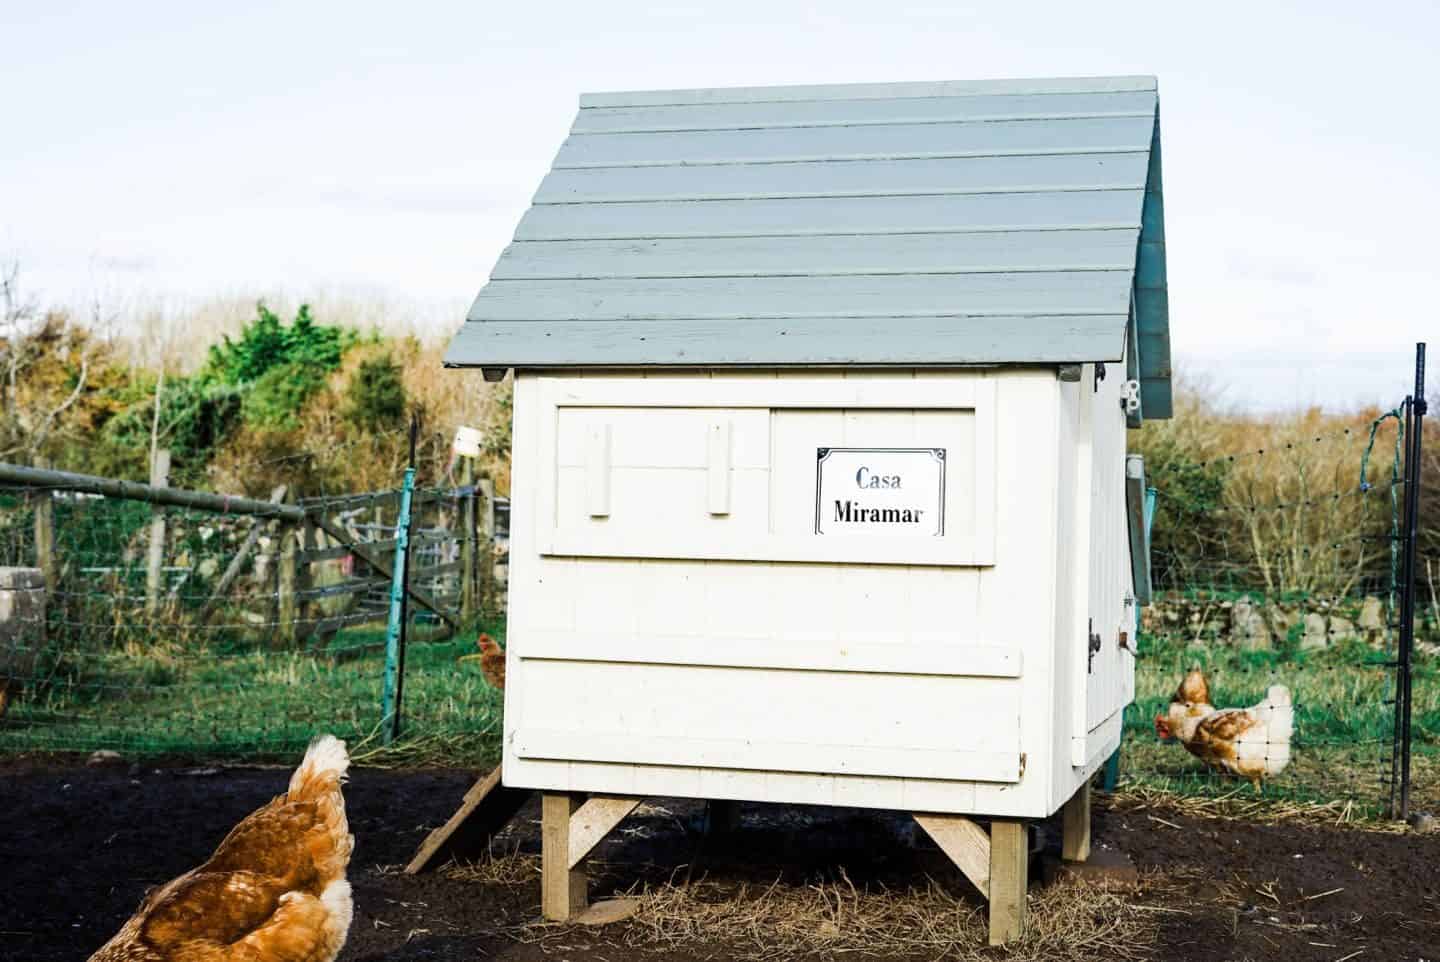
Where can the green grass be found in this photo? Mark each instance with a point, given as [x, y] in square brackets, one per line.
[244, 702]
[261, 704]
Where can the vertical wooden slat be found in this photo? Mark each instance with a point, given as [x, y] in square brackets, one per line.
[1075, 840]
[468, 538]
[563, 890]
[597, 471]
[155, 562]
[286, 586]
[718, 467]
[45, 531]
[1009, 875]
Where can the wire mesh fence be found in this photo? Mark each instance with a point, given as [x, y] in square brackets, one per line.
[1284, 590]
[164, 629]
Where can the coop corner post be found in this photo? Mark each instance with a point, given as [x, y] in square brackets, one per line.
[389, 707]
[1009, 880]
[564, 890]
[1075, 837]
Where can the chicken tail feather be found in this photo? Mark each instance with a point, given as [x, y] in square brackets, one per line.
[322, 770]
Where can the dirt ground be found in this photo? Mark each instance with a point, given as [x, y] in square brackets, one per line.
[80, 846]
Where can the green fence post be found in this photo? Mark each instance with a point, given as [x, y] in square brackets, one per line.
[389, 701]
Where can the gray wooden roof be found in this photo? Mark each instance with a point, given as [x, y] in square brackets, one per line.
[954, 223]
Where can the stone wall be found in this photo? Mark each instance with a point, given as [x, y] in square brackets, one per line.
[1256, 623]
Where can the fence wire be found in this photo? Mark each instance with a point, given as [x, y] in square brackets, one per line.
[1291, 580]
[240, 636]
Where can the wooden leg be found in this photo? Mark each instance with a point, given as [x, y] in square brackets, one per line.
[1075, 842]
[1009, 877]
[563, 890]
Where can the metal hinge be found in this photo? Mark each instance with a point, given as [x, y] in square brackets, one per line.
[1099, 373]
[1130, 396]
[1094, 647]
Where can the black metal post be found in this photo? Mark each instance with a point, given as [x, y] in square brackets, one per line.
[1407, 568]
[405, 597]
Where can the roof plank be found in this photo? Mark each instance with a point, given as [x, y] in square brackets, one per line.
[803, 216]
[866, 142]
[850, 341]
[902, 295]
[981, 175]
[819, 113]
[985, 252]
[868, 91]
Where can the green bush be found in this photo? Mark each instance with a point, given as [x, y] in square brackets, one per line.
[275, 399]
[375, 397]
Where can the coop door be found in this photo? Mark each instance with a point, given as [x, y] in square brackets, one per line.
[1110, 619]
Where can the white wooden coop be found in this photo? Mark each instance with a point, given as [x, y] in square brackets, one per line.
[820, 472]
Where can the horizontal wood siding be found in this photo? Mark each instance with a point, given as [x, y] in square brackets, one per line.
[827, 681]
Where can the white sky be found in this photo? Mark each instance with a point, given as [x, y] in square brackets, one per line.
[160, 151]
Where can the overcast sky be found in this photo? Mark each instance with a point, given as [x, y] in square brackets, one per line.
[159, 151]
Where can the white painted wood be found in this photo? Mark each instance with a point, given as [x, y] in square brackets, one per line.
[869, 178]
[811, 216]
[767, 755]
[869, 91]
[677, 676]
[975, 661]
[967, 845]
[597, 471]
[718, 467]
[859, 142]
[848, 112]
[984, 252]
[593, 820]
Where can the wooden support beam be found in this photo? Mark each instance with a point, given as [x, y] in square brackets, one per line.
[593, 821]
[563, 890]
[965, 842]
[1009, 878]
[1075, 840]
[487, 808]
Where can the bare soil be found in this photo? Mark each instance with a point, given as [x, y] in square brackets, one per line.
[80, 846]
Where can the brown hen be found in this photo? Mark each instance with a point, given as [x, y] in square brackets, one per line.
[274, 891]
[492, 660]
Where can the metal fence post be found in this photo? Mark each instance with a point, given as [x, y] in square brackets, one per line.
[389, 700]
[1415, 411]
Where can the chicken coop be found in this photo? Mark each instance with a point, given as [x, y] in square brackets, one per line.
[821, 491]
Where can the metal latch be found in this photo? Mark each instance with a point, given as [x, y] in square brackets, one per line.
[1094, 647]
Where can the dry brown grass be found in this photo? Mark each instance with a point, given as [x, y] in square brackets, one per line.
[1242, 805]
[1066, 921]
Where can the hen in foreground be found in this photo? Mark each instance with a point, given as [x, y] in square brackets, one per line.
[274, 891]
[1252, 743]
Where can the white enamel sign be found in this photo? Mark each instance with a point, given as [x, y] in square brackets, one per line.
[880, 491]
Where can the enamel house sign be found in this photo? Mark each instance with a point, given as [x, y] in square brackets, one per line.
[880, 491]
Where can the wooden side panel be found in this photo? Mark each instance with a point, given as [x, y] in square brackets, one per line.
[836, 652]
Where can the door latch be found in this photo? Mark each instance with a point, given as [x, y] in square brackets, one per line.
[1094, 647]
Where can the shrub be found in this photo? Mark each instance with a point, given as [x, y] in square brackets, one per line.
[376, 398]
